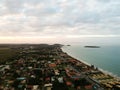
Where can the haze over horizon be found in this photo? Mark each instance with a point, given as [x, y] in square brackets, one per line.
[59, 21]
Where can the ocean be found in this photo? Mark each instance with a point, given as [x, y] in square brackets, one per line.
[106, 58]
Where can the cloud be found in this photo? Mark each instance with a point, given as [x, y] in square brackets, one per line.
[92, 36]
[31, 18]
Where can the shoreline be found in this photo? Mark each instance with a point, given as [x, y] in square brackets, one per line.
[50, 66]
[88, 64]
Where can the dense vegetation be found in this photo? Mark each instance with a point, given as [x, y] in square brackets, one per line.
[7, 54]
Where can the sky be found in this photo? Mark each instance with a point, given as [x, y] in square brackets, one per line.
[58, 21]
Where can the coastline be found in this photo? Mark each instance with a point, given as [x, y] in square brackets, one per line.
[99, 69]
[102, 70]
[54, 67]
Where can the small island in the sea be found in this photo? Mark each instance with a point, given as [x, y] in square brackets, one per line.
[92, 46]
[68, 45]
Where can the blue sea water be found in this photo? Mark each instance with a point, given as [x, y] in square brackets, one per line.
[106, 58]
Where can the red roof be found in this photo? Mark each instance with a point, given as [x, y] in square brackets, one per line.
[68, 83]
[52, 65]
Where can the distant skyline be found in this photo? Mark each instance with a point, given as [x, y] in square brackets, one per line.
[58, 21]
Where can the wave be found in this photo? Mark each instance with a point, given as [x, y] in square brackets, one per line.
[109, 73]
[102, 70]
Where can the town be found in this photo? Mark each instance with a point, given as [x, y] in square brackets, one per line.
[47, 67]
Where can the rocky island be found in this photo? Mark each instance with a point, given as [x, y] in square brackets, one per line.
[92, 46]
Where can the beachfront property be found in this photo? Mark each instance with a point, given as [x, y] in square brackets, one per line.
[106, 80]
[49, 68]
